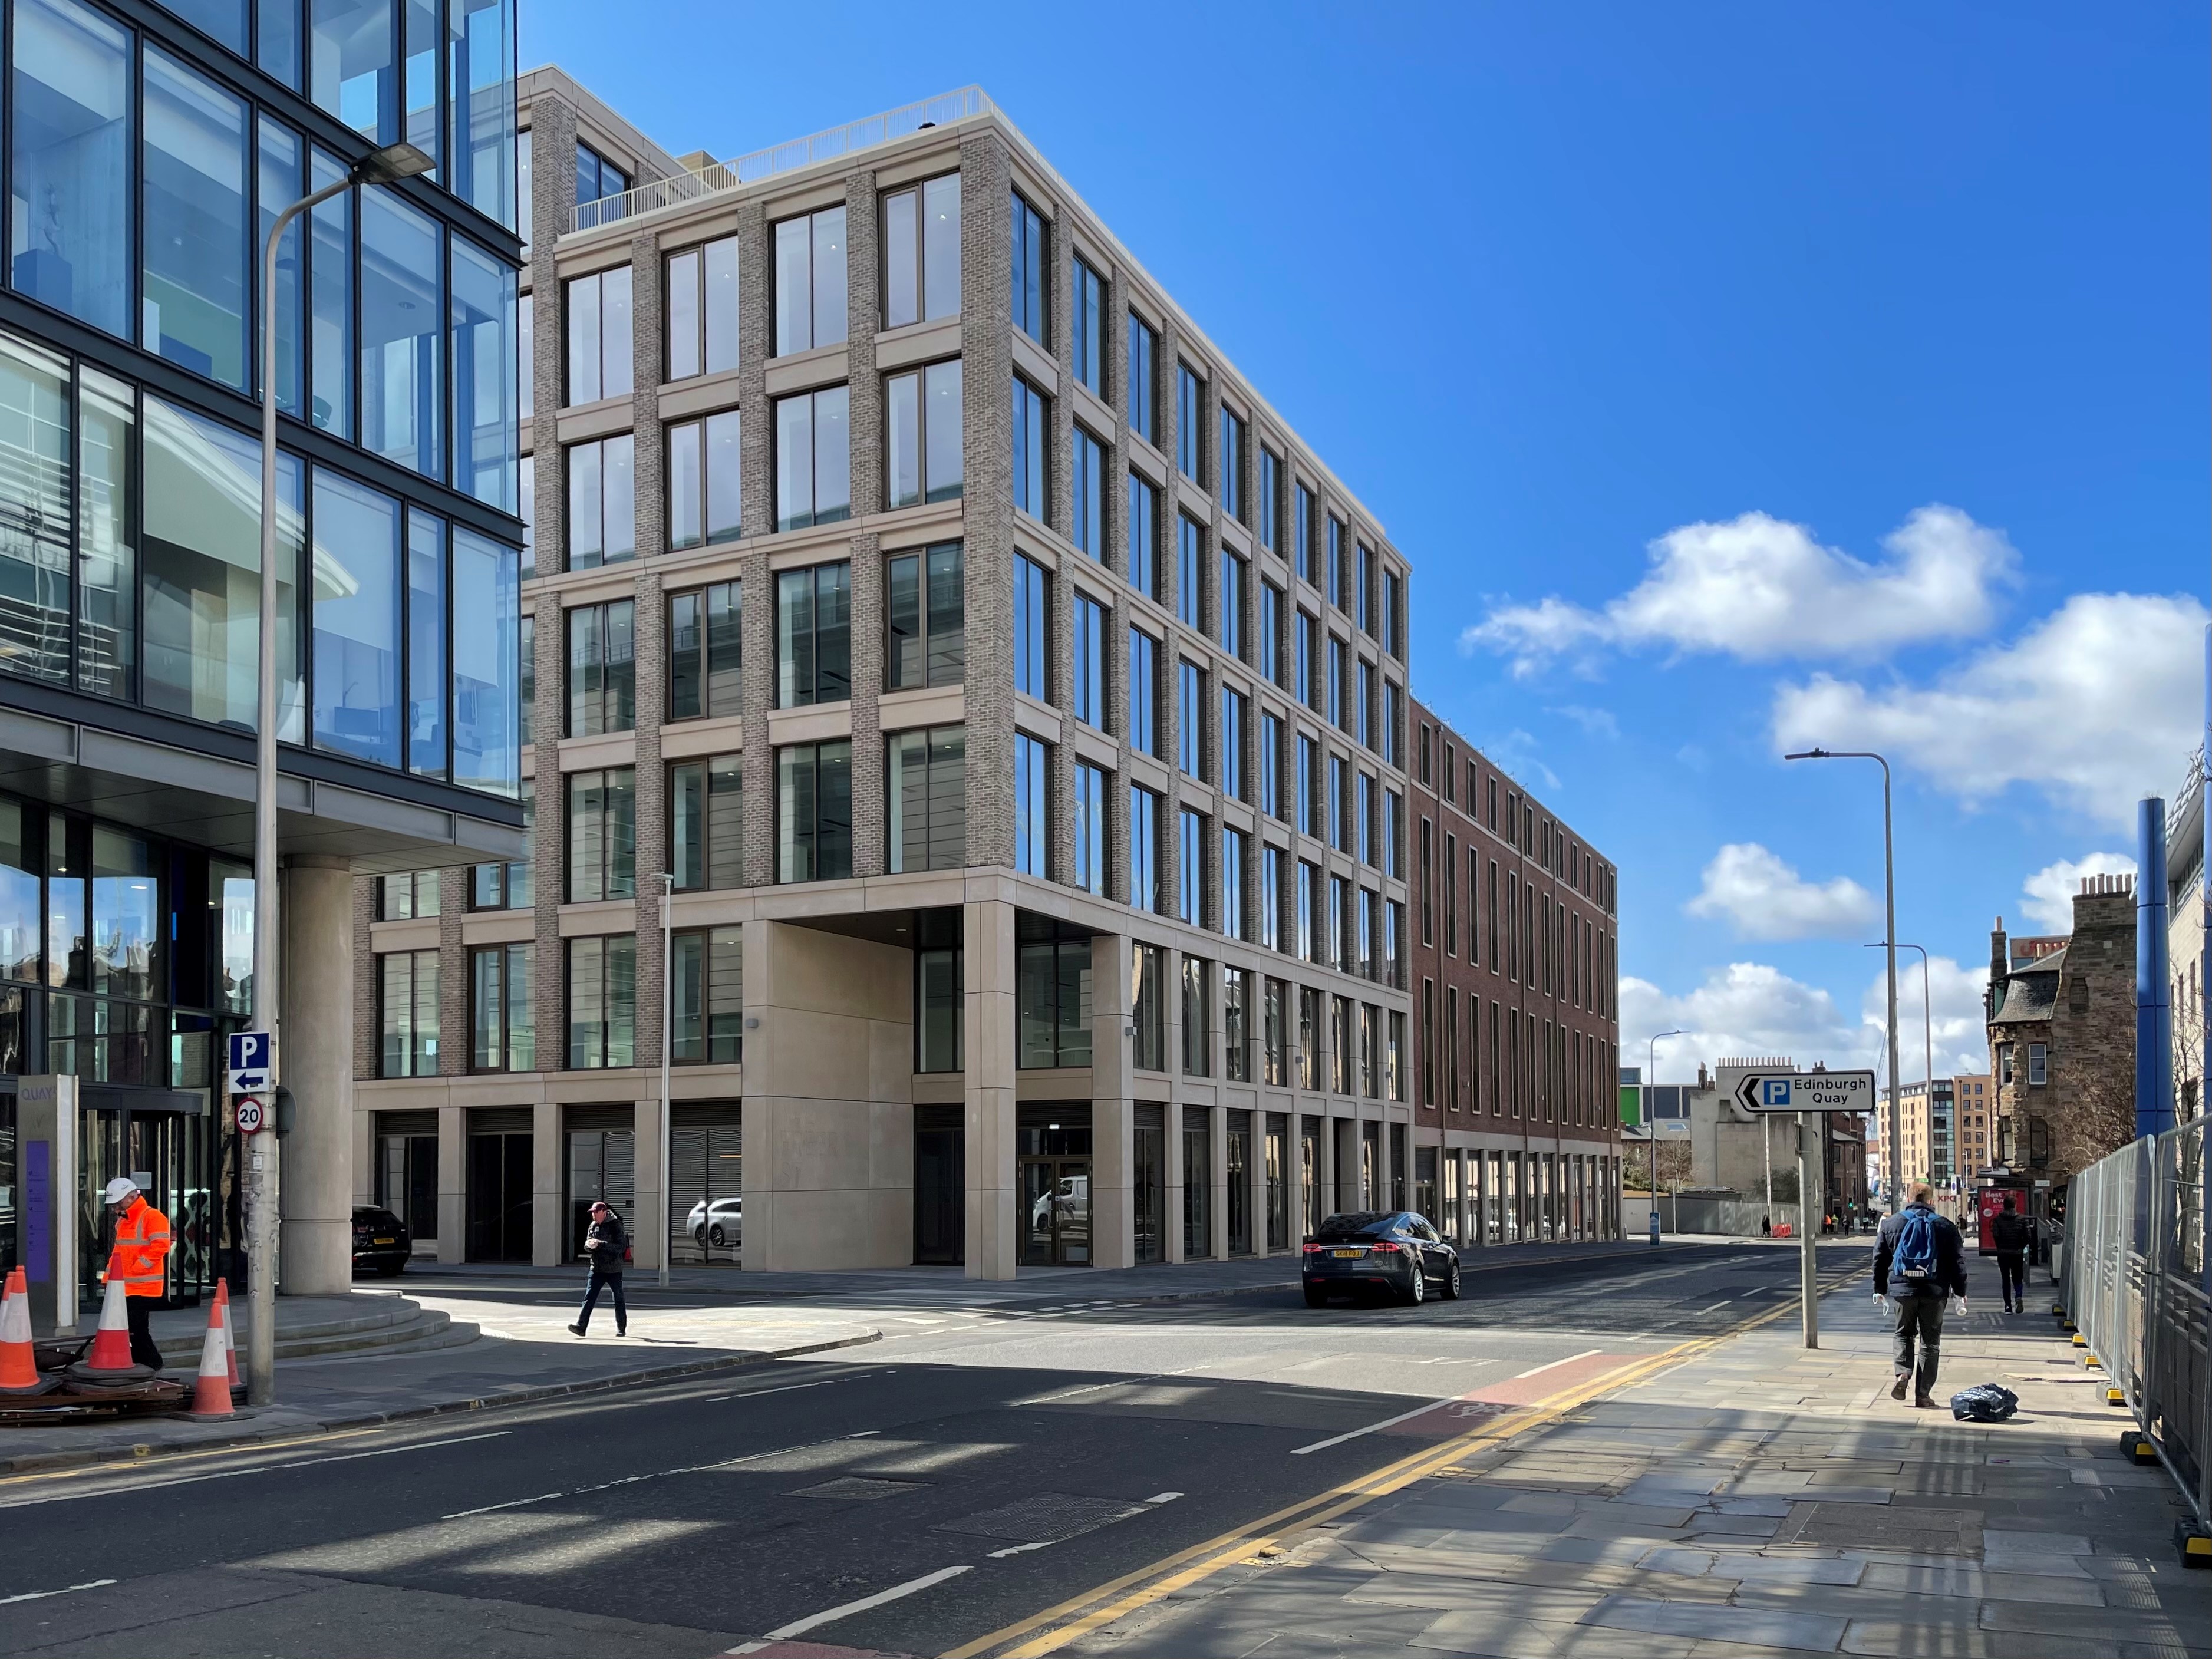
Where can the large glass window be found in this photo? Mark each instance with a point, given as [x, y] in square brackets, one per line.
[1190, 572]
[1232, 464]
[1271, 499]
[1031, 425]
[602, 501]
[598, 355]
[351, 70]
[1190, 424]
[810, 281]
[1197, 1032]
[1052, 988]
[277, 48]
[1271, 897]
[407, 1013]
[1144, 692]
[194, 306]
[705, 651]
[356, 620]
[1191, 866]
[426, 645]
[1090, 329]
[602, 826]
[602, 668]
[813, 459]
[814, 634]
[1232, 743]
[1235, 1054]
[938, 1015]
[1144, 379]
[71, 186]
[1032, 627]
[703, 309]
[1271, 765]
[1032, 816]
[1087, 694]
[814, 812]
[706, 993]
[602, 1001]
[279, 182]
[223, 19]
[34, 513]
[1190, 718]
[402, 336]
[480, 86]
[926, 610]
[330, 288]
[922, 422]
[1032, 271]
[1144, 526]
[597, 177]
[705, 823]
[1234, 844]
[107, 563]
[486, 416]
[488, 658]
[704, 469]
[503, 1025]
[922, 252]
[927, 804]
[1233, 603]
[1088, 525]
[1271, 631]
[1143, 850]
[1090, 872]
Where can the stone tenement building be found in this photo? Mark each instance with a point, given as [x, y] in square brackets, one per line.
[2061, 1030]
[1018, 712]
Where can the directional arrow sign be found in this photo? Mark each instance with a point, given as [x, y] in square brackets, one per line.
[1806, 1091]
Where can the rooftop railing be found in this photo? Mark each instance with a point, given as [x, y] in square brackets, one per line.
[825, 146]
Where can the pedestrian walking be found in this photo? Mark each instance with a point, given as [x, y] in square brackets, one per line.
[607, 1247]
[2012, 1234]
[1919, 1263]
[141, 1243]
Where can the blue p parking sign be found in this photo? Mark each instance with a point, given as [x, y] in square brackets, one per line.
[252, 1059]
[1774, 1091]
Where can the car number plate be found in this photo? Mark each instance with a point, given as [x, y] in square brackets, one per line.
[384, 1241]
[1347, 1253]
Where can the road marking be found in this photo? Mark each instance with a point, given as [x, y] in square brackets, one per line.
[1337, 1440]
[1716, 1306]
[511, 1503]
[256, 1468]
[791, 1388]
[1163, 1498]
[40, 1596]
[1556, 1363]
[800, 1626]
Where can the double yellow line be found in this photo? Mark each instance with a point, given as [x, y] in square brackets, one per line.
[1056, 1626]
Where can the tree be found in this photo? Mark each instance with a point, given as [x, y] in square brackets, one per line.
[1673, 1161]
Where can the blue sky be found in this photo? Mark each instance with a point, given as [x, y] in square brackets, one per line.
[1736, 377]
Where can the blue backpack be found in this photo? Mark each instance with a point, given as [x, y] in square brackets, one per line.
[1914, 1258]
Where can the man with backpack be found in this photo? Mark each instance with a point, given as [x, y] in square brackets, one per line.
[2012, 1234]
[1919, 1263]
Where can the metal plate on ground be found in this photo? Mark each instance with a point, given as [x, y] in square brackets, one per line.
[1046, 1518]
[858, 1489]
[1885, 1527]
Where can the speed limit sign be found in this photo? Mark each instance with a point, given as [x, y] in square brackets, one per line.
[249, 1116]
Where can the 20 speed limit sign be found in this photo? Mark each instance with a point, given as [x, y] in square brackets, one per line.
[249, 1117]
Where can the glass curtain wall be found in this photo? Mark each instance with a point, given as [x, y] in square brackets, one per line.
[194, 303]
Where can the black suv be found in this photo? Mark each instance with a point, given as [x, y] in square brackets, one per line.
[379, 1241]
[1391, 1250]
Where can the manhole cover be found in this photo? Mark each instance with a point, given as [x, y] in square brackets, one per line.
[857, 1489]
[1044, 1519]
[1887, 1527]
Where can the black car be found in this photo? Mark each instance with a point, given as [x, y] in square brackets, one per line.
[1392, 1250]
[379, 1241]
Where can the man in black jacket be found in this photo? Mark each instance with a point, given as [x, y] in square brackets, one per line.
[2012, 1234]
[1919, 1302]
[605, 1244]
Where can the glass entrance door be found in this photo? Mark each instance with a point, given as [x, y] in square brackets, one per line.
[1056, 1208]
[167, 1153]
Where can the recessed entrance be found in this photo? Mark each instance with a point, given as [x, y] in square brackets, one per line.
[1054, 1190]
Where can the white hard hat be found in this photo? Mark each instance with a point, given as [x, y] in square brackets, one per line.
[120, 1190]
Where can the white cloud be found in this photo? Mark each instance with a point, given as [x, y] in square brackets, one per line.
[1515, 756]
[1761, 897]
[1958, 1035]
[2095, 706]
[1746, 1008]
[2050, 891]
[1760, 588]
[1594, 722]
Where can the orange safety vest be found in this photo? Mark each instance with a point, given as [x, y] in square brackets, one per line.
[142, 1240]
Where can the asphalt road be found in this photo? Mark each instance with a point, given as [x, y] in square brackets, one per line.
[986, 1465]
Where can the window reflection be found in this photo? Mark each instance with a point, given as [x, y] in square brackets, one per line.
[486, 421]
[402, 338]
[481, 86]
[34, 513]
[108, 566]
[349, 65]
[70, 184]
[486, 665]
[280, 186]
[356, 567]
[194, 304]
[330, 277]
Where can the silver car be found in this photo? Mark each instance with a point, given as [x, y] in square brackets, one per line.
[718, 1221]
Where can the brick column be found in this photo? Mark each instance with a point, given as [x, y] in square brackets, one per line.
[987, 513]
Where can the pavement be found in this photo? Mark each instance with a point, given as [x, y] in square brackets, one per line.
[1753, 1498]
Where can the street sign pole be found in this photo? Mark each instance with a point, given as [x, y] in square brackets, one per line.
[253, 1071]
[1808, 1270]
[1807, 1095]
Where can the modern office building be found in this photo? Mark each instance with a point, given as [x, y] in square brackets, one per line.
[1014, 707]
[1516, 1125]
[147, 147]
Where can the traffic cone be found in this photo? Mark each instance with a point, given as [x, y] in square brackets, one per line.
[229, 1336]
[212, 1396]
[19, 1365]
[109, 1360]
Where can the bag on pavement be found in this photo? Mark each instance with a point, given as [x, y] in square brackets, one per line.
[1985, 1402]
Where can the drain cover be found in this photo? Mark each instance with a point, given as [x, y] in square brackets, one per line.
[857, 1489]
[1887, 1526]
[1045, 1519]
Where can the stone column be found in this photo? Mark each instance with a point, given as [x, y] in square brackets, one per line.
[315, 1053]
[1256, 1182]
[1216, 1140]
[549, 1243]
[1171, 1182]
[649, 1219]
[452, 1184]
[993, 1232]
[1112, 1110]
[1294, 1176]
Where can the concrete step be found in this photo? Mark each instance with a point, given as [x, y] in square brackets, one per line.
[454, 1333]
[375, 1336]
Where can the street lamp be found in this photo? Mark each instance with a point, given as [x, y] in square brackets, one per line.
[1889, 931]
[1650, 1130]
[378, 167]
[1927, 1038]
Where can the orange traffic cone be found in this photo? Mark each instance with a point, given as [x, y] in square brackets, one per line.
[19, 1365]
[212, 1397]
[110, 1360]
[229, 1336]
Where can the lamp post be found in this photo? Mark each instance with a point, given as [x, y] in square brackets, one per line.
[1928, 1040]
[1650, 1127]
[377, 167]
[1889, 930]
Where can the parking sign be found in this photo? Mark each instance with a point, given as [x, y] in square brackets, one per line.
[252, 1062]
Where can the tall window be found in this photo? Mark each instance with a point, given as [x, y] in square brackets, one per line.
[1393, 834]
[193, 304]
[526, 681]
[599, 335]
[704, 467]
[1363, 713]
[1052, 997]
[70, 103]
[330, 289]
[1089, 827]
[1144, 692]
[502, 1024]
[1232, 743]
[1232, 464]
[1363, 599]
[1190, 717]
[1147, 1009]
[814, 812]
[937, 1011]
[927, 799]
[705, 651]
[505, 886]
[1340, 804]
[597, 177]
[1271, 765]
[1088, 512]
[1190, 846]
[707, 996]
[1090, 329]
[1339, 684]
[1030, 445]
[922, 415]
[1235, 1009]
[1393, 638]
[1088, 666]
[1144, 379]
[1394, 723]
[814, 634]
[705, 823]
[602, 1002]
[1271, 499]
[1235, 844]
[1032, 272]
[1301, 532]
[1334, 586]
[1190, 424]
[1313, 921]
[407, 1013]
[702, 310]
[1305, 637]
[921, 251]
[602, 668]
[1309, 785]
[810, 281]
[813, 459]
[926, 608]
[1197, 1032]
[602, 509]
[1032, 627]
[1190, 572]
[1233, 603]
[1271, 897]
[1271, 631]
[1144, 528]
[411, 895]
[1364, 818]
[602, 856]
[1032, 822]
[1144, 848]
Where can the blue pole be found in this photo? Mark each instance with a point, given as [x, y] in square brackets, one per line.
[2153, 1027]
